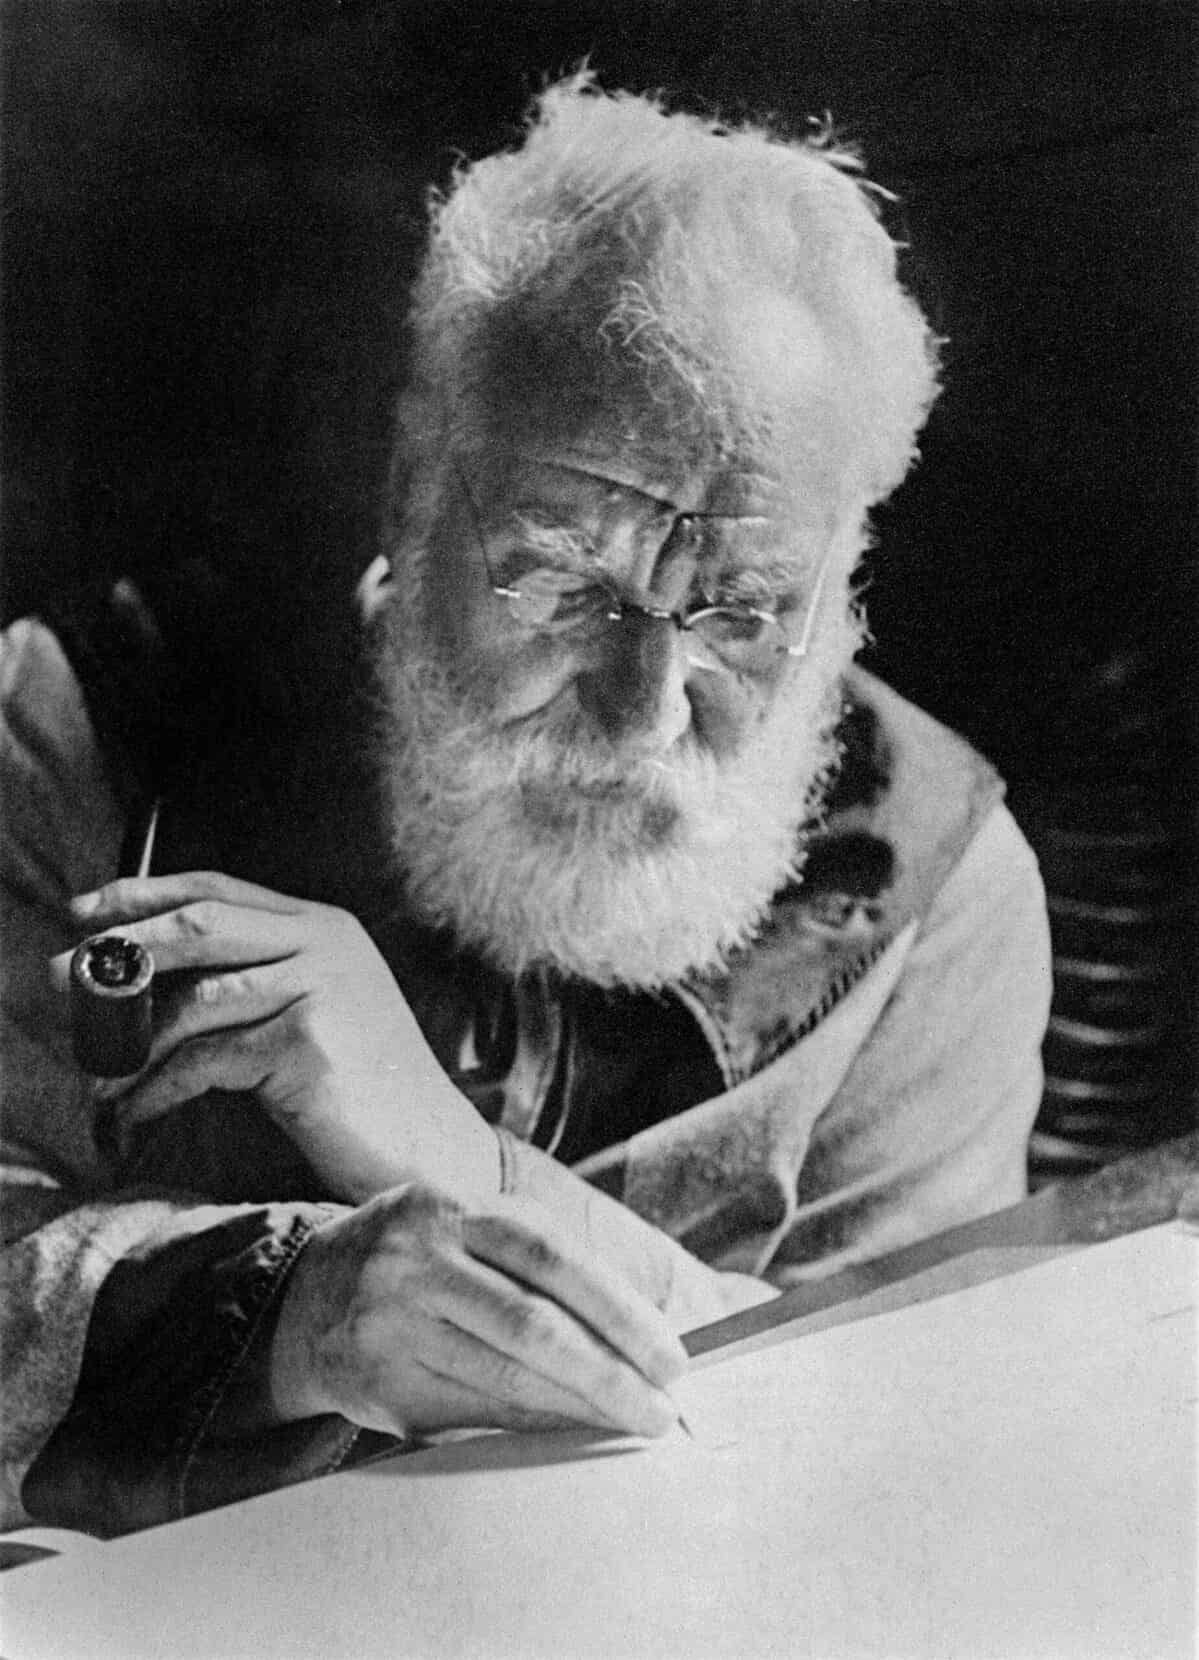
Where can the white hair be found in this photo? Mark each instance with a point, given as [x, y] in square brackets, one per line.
[608, 253]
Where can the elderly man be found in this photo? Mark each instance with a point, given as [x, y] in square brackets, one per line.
[627, 955]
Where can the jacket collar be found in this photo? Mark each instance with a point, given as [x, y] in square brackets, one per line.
[895, 821]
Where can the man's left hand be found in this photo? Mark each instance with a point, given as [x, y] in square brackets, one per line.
[292, 1001]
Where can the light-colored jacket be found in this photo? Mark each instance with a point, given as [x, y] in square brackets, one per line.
[876, 1052]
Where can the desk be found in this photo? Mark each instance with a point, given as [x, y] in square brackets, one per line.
[1002, 1474]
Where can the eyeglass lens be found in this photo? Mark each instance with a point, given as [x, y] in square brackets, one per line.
[551, 602]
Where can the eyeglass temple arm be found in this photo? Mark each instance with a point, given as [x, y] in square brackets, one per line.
[800, 648]
[481, 540]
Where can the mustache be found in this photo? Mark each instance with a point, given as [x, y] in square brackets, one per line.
[557, 747]
[563, 763]
[560, 743]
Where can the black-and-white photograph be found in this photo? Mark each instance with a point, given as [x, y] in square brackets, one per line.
[599, 772]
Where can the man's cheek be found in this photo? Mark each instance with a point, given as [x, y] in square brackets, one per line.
[501, 678]
[518, 685]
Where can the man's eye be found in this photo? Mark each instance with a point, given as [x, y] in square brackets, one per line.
[734, 624]
[556, 599]
[540, 583]
[736, 596]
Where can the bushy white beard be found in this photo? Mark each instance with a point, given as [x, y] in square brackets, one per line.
[541, 847]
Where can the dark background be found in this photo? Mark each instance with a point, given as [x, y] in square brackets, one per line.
[211, 212]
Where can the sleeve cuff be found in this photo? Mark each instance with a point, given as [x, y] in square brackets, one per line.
[173, 1415]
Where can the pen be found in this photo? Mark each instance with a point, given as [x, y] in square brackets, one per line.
[147, 852]
[683, 1424]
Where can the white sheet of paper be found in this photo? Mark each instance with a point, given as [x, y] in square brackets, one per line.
[1006, 1472]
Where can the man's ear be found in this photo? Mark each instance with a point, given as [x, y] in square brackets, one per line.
[371, 593]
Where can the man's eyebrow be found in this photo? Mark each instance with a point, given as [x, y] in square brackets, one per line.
[758, 562]
[757, 583]
[549, 536]
[552, 533]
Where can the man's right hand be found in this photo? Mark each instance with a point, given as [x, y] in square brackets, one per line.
[412, 1315]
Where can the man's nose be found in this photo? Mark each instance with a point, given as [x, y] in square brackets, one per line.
[637, 690]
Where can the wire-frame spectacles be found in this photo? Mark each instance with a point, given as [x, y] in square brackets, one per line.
[560, 602]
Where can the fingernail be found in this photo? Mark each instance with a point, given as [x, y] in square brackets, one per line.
[84, 904]
[661, 1414]
[674, 1362]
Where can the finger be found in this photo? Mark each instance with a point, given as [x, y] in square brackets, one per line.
[538, 1338]
[479, 1385]
[191, 1006]
[131, 897]
[241, 1059]
[523, 1240]
[437, 1377]
[207, 933]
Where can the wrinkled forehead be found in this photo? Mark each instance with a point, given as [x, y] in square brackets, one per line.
[763, 427]
[612, 498]
[584, 486]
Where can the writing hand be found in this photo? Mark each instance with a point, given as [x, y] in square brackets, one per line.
[292, 1001]
[414, 1314]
